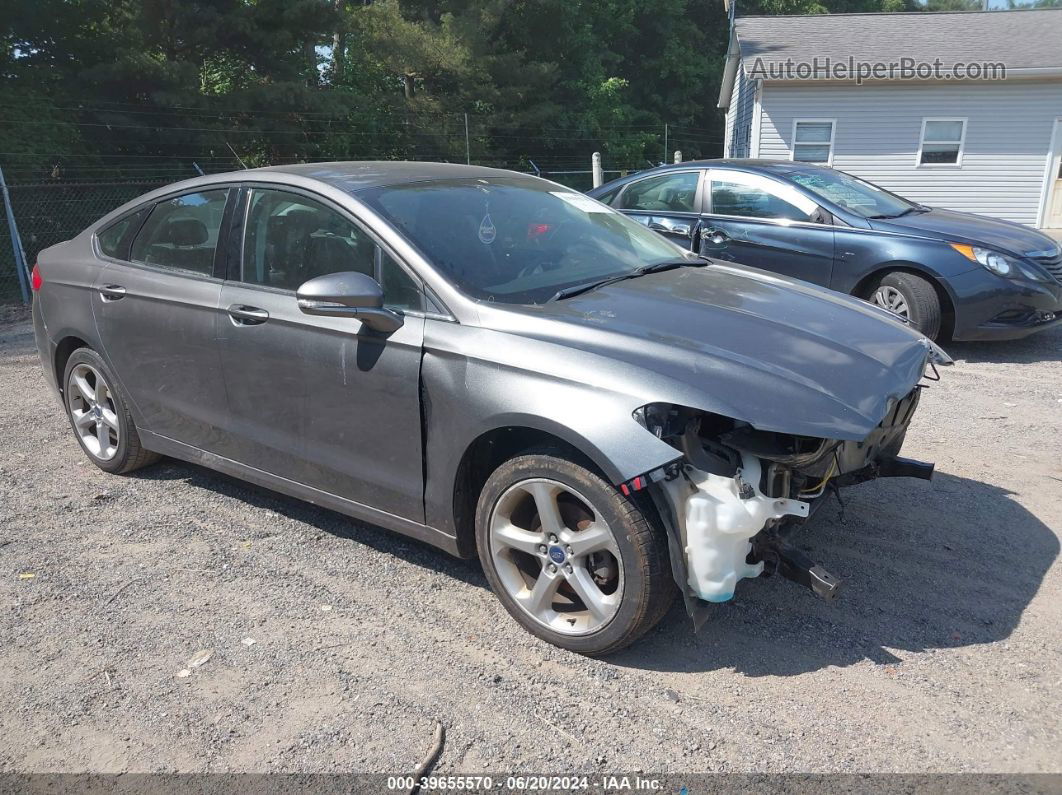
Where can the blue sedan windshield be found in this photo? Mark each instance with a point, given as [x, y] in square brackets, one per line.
[853, 194]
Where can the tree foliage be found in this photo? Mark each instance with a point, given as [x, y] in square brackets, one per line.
[165, 84]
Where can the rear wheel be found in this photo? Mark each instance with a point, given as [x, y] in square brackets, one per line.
[910, 296]
[99, 415]
[571, 559]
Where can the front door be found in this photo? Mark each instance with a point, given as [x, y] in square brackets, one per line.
[323, 401]
[667, 203]
[754, 220]
[156, 316]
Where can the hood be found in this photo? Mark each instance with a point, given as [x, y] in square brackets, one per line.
[783, 356]
[1006, 236]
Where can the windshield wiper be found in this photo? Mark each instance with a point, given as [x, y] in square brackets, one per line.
[696, 261]
[918, 208]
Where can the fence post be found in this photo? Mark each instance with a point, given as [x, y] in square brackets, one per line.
[678, 155]
[16, 242]
[599, 174]
[468, 147]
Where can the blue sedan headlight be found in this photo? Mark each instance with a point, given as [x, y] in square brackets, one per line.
[999, 264]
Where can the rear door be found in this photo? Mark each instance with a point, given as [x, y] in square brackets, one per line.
[667, 203]
[755, 220]
[156, 309]
[326, 402]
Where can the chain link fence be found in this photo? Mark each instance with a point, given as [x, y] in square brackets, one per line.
[47, 213]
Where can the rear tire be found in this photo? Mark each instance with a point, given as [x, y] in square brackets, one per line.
[910, 296]
[98, 413]
[611, 580]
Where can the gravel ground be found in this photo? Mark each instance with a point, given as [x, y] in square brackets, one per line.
[336, 647]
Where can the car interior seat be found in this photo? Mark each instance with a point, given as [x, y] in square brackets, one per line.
[183, 243]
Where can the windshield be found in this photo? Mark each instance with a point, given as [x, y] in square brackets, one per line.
[518, 240]
[853, 194]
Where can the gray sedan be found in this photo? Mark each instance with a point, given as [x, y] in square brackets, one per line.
[490, 363]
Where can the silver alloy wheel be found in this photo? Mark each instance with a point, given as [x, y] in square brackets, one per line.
[91, 405]
[556, 556]
[890, 298]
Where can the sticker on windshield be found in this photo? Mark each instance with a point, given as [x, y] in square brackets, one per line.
[487, 230]
[584, 203]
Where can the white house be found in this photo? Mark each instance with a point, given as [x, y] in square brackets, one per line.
[957, 110]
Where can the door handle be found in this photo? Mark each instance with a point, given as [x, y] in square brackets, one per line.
[247, 315]
[112, 292]
[715, 236]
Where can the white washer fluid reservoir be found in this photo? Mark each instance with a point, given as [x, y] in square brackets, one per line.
[716, 525]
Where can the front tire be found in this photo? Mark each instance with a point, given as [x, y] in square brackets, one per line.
[910, 296]
[99, 415]
[573, 561]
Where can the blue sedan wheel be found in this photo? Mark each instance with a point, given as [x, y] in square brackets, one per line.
[911, 297]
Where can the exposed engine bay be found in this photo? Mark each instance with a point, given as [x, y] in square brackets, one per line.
[739, 493]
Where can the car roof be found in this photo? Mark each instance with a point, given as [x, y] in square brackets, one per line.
[348, 176]
[745, 164]
[355, 175]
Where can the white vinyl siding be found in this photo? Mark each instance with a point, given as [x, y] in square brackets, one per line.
[739, 117]
[1007, 137]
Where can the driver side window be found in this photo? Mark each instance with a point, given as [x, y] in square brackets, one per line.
[747, 196]
[290, 239]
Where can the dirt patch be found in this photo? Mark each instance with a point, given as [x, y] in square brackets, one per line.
[11, 314]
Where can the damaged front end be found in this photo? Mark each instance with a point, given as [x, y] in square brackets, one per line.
[737, 494]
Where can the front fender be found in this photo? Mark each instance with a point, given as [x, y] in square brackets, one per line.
[862, 254]
[465, 396]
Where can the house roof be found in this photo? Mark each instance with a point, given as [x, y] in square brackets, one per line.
[1025, 41]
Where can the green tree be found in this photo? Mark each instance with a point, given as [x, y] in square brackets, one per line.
[160, 84]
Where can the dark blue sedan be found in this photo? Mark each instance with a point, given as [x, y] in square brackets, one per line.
[950, 274]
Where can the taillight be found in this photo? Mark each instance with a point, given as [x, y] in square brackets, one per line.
[35, 278]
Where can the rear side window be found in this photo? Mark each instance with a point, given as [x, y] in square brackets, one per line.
[182, 233]
[114, 240]
[668, 192]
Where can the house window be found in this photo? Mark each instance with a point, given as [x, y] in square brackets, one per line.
[942, 142]
[813, 140]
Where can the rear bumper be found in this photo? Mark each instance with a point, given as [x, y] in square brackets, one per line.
[45, 347]
[988, 307]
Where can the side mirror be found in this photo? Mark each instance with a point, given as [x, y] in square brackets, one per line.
[348, 294]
